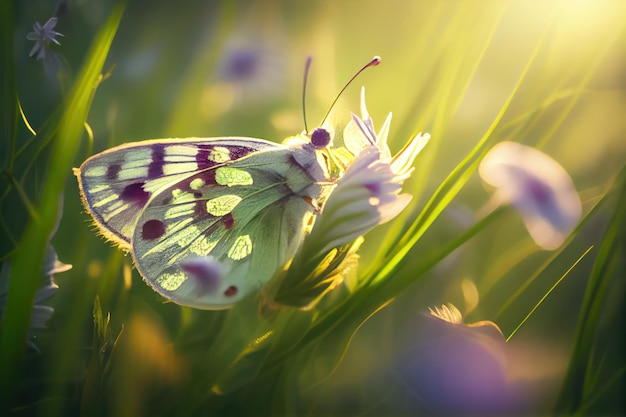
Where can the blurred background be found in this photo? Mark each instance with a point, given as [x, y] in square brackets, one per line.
[209, 68]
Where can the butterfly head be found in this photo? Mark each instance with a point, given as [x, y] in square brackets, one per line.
[320, 142]
[320, 138]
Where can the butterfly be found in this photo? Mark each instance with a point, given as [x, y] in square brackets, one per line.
[244, 202]
[209, 221]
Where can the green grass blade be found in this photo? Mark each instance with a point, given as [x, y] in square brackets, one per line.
[453, 184]
[577, 389]
[8, 107]
[552, 258]
[367, 300]
[547, 294]
[26, 268]
[190, 94]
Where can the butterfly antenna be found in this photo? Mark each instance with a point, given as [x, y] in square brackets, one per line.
[307, 65]
[373, 62]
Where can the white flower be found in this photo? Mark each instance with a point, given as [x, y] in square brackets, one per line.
[538, 187]
[43, 36]
[365, 196]
[368, 194]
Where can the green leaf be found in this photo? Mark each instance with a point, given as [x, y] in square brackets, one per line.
[8, 106]
[24, 279]
[580, 388]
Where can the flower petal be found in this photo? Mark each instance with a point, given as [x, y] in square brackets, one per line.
[381, 138]
[538, 187]
[402, 162]
[49, 25]
[34, 49]
[391, 209]
[458, 369]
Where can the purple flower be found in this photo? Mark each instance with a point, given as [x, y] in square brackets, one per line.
[538, 187]
[43, 36]
[41, 313]
[251, 68]
[240, 65]
[455, 368]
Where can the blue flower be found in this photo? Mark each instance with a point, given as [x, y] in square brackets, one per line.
[43, 35]
[538, 187]
[41, 313]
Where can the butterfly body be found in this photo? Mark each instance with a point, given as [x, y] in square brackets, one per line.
[242, 203]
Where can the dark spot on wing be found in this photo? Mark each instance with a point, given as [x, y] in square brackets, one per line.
[229, 221]
[237, 152]
[231, 291]
[204, 151]
[155, 169]
[112, 171]
[202, 157]
[135, 193]
[199, 209]
[152, 229]
[206, 274]
[207, 176]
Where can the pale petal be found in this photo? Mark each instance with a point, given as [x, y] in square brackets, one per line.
[381, 139]
[53, 39]
[365, 129]
[364, 113]
[402, 163]
[447, 312]
[40, 315]
[538, 187]
[353, 137]
[390, 210]
[50, 24]
[46, 292]
[34, 49]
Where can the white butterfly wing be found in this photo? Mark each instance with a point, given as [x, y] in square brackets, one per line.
[117, 184]
[248, 216]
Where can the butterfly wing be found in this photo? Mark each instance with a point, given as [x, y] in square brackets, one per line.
[248, 216]
[117, 184]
